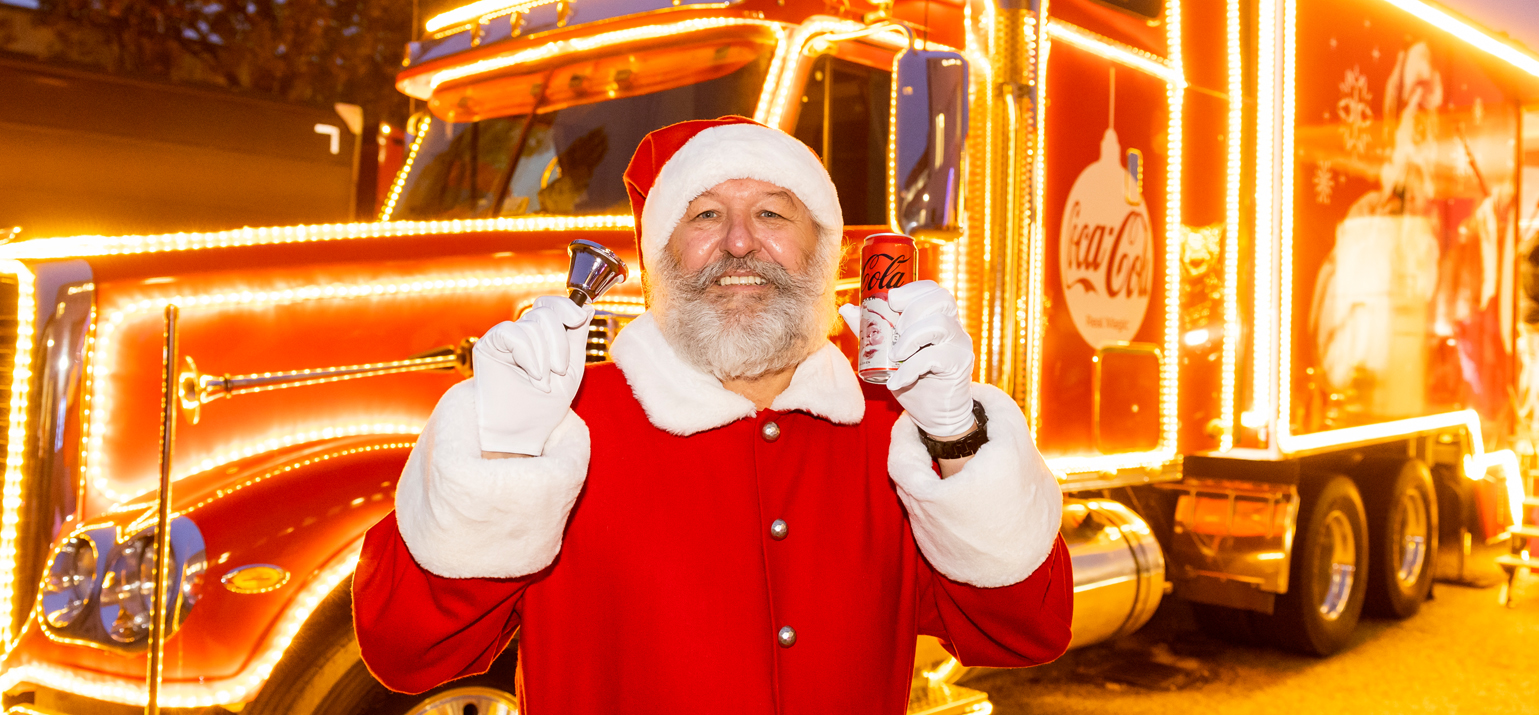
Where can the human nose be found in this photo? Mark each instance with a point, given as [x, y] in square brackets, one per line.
[741, 238]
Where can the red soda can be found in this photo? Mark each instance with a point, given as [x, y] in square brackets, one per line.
[886, 261]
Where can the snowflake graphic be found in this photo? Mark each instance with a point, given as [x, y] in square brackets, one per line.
[1354, 110]
[1325, 182]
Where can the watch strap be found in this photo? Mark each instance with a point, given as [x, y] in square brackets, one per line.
[964, 447]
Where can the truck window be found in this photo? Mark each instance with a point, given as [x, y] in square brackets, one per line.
[843, 117]
[572, 158]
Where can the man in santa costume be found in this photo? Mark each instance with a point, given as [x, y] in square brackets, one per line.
[724, 519]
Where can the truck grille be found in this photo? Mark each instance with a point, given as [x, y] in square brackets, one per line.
[602, 331]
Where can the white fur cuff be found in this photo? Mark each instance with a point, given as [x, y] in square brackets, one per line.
[467, 517]
[993, 523]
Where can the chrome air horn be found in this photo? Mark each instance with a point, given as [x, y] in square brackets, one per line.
[595, 269]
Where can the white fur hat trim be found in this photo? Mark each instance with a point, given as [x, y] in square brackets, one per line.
[737, 151]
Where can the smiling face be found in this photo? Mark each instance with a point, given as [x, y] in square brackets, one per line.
[743, 217]
[745, 286]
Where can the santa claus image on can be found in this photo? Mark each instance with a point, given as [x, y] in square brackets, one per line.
[724, 518]
[876, 331]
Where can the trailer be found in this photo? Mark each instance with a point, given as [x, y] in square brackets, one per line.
[1257, 272]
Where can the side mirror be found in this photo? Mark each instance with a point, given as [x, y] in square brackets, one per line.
[929, 127]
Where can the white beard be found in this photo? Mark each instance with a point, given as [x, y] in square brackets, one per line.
[755, 337]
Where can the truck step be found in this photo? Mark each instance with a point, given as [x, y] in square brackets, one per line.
[1528, 530]
[947, 699]
[1514, 561]
[1530, 501]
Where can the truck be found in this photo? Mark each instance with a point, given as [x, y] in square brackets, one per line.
[1258, 272]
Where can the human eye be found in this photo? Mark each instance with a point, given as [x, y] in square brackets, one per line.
[708, 214]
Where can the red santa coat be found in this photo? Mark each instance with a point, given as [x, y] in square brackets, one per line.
[667, 589]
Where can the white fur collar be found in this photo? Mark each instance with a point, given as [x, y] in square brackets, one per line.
[682, 400]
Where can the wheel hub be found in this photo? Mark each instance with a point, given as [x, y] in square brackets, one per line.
[1411, 539]
[1338, 558]
[468, 701]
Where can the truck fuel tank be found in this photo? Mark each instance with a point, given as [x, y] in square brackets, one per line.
[1119, 570]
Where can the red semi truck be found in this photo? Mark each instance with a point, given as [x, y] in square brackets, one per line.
[1257, 271]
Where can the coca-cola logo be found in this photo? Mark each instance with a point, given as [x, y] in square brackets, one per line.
[1119, 254]
[883, 271]
[1106, 251]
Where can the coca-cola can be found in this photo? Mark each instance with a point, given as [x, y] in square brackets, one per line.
[886, 261]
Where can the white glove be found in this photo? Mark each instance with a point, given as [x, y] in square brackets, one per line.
[527, 373]
[934, 355]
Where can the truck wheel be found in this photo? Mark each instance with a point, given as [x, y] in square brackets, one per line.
[1327, 578]
[323, 673]
[1402, 533]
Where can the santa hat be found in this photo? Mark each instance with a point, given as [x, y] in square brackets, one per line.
[674, 165]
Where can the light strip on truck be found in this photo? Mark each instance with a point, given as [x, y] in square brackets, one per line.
[773, 78]
[1477, 463]
[1063, 467]
[1380, 431]
[230, 456]
[1265, 331]
[16, 447]
[1168, 70]
[979, 71]
[1175, 89]
[979, 237]
[1285, 168]
[466, 14]
[269, 474]
[1464, 31]
[556, 48]
[1228, 384]
[84, 246]
[387, 211]
[1041, 45]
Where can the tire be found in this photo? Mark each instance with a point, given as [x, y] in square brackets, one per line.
[1403, 537]
[323, 673]
[1327, 579]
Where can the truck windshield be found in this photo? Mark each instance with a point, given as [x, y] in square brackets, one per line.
[572, 158]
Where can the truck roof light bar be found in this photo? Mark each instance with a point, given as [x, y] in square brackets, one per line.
[1442, 19]
[472, 12]
[82, 246]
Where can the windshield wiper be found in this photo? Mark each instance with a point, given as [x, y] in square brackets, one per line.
[500, 192]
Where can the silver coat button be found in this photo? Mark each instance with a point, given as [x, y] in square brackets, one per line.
[787, 637]
[770, 431]
[778, 529]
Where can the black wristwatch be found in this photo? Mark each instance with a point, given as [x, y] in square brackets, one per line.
[964, 447]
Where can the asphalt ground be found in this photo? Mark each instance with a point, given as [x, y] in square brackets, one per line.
[1463, 653]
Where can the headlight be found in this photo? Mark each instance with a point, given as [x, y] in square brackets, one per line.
[128, 590]
[70, 580]
[127, 604]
